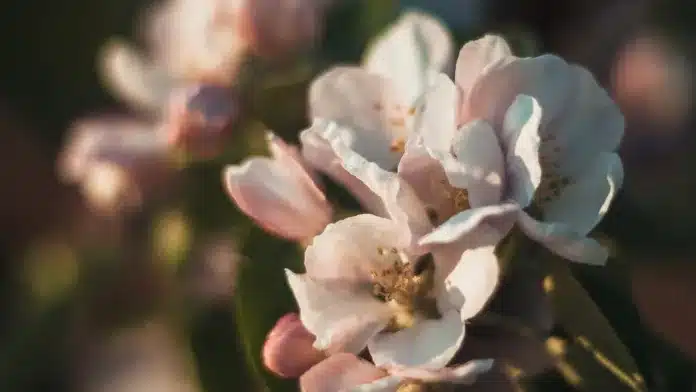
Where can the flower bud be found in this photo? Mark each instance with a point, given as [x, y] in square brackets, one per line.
[288, 351]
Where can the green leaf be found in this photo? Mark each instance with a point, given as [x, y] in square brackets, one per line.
[262, 296]
[594, 353]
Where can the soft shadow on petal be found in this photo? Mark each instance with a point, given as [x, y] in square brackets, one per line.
[409, 51]
[430, 344]
[478, 164]
[278, 200]
[334, 310]
[521, 138]
[564, 241]
[467, 225]
[349, 249]
[317, 151]
[439, 119]
[354, 98]
[400, 200]
[583, 203]
[470, 286]
[340, 372]
[476, 56]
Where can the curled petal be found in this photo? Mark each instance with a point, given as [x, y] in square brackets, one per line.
[340, 372]
[467, 225]
[429, 344]
[562, 240]
[343, 317]
[461, 374]
[477, 56]
[288, 350]
[473, 281]
[279, 195]
[411, 52]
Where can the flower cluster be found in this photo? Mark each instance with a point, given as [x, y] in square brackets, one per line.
[446, 169]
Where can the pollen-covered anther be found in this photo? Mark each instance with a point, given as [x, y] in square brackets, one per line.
[407, 288]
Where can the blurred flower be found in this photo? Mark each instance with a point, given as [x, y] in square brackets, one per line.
[201, 119]
[118, 162]
[380, 102]
[213, 271]
[279, 193]
[346, 372]
[273, 28]
[288, 350]
[366, 285]
[139, 359]
[487, 129]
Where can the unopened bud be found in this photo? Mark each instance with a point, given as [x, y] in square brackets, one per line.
[288, 351]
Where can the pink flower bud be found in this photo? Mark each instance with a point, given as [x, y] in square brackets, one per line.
[288, 350]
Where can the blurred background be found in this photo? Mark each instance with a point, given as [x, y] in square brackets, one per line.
[169, 298]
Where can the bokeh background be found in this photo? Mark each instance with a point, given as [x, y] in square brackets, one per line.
[180, 296]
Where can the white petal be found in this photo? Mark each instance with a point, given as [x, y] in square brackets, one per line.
[473, 223]
[521, 137]
[384, 384]
[439, 119]
[410, 52]
[136, 79]
[400, 200]
[333, 310]
[583, 203]
[477, 164]
[354, 98]
[317, 151]
[340, 372]
[476, 56]
[562, 240]
[278, 196]
[348, 249]
[430, 344]
[474, 280]
[461, 374]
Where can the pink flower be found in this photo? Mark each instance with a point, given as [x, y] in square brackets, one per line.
[288, 350]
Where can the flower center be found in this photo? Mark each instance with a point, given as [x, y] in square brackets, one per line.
[407, 287]
[456, 201]
[552, 181]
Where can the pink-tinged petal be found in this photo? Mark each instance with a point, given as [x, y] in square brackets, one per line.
[340, 372]
[350, 248]
[288, 351]
[429, 344]
[583, 203]
[342, 316]
[439, 119]
[358, 101]
[400, 200]
[460, 374]
[473, 281]
[317, 152]
[140, 82]
[475, 164]
[470, 224]
[564, 241]
[521, 131]
[278, 194]
[477, 56]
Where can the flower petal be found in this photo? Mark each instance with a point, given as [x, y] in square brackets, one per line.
[476, 225]
[349, 249]
[521, 133]
[562, 240]
[400, 200]
[409, 53]
[340, 372]
[475, 58]
[473, 281]
[583, 203]
[354, 98]
[343, 317]
[278, 194]
[439, 119]
[288, 351]
[317, 151]
[461, 374]
[428, 344]
[477, 164]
